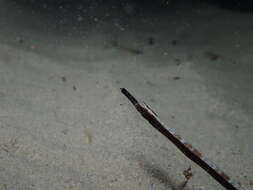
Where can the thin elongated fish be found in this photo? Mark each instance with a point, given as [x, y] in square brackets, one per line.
[186, 148]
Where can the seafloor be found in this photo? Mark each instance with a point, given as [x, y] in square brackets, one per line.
[64, 124]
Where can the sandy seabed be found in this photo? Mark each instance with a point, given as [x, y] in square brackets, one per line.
[64, 123]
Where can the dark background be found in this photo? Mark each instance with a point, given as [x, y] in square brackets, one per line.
[235, 5]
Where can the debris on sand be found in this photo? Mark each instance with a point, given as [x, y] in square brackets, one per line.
[131, 50]
[212, 56]
[151, 41]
